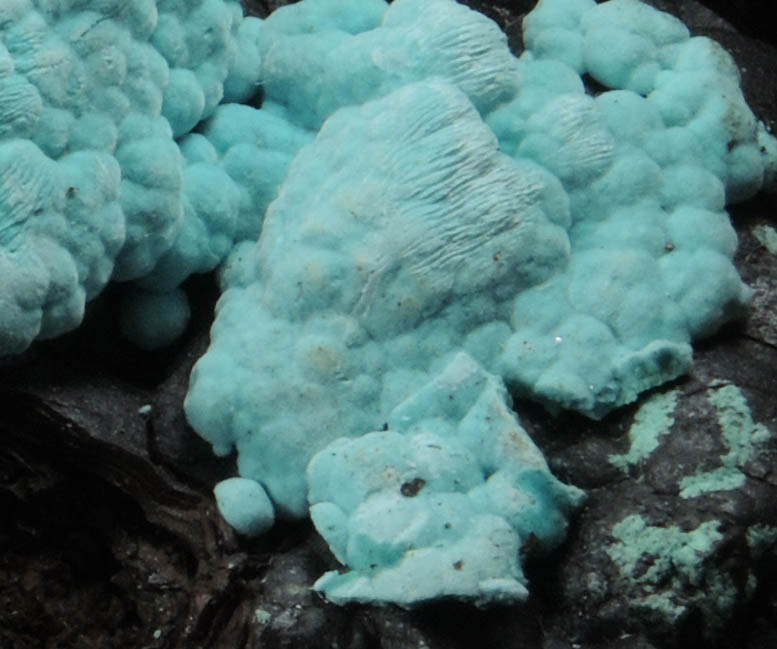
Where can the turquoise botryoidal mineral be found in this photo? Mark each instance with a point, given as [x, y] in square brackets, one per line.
[415, 217]
[458, 207]
[94, 186]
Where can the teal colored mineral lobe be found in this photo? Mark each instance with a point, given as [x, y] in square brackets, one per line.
[440, 503]
[244, 505]
[152, 320]
[451, 203]
[359, 335]
[94, 186]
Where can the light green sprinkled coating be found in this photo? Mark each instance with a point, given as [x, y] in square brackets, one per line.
[669, 570]
[673, 549]
[653, 419]
[742, 437]
[767, 236]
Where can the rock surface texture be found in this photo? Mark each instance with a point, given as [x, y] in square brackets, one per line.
[110, 535]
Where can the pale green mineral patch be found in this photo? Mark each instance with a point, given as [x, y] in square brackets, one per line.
[761, 539]
[742, 437]
[670, 570]
[653, 419]
[261, 616]
[767, 237]
[671, 550]
[595, 585]
[751, 585]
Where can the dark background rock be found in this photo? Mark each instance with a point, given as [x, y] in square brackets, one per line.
[109, 536]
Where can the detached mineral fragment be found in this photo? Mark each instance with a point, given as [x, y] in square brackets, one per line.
[440, 504]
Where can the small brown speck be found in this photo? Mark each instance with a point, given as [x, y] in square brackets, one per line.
[411, 489]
